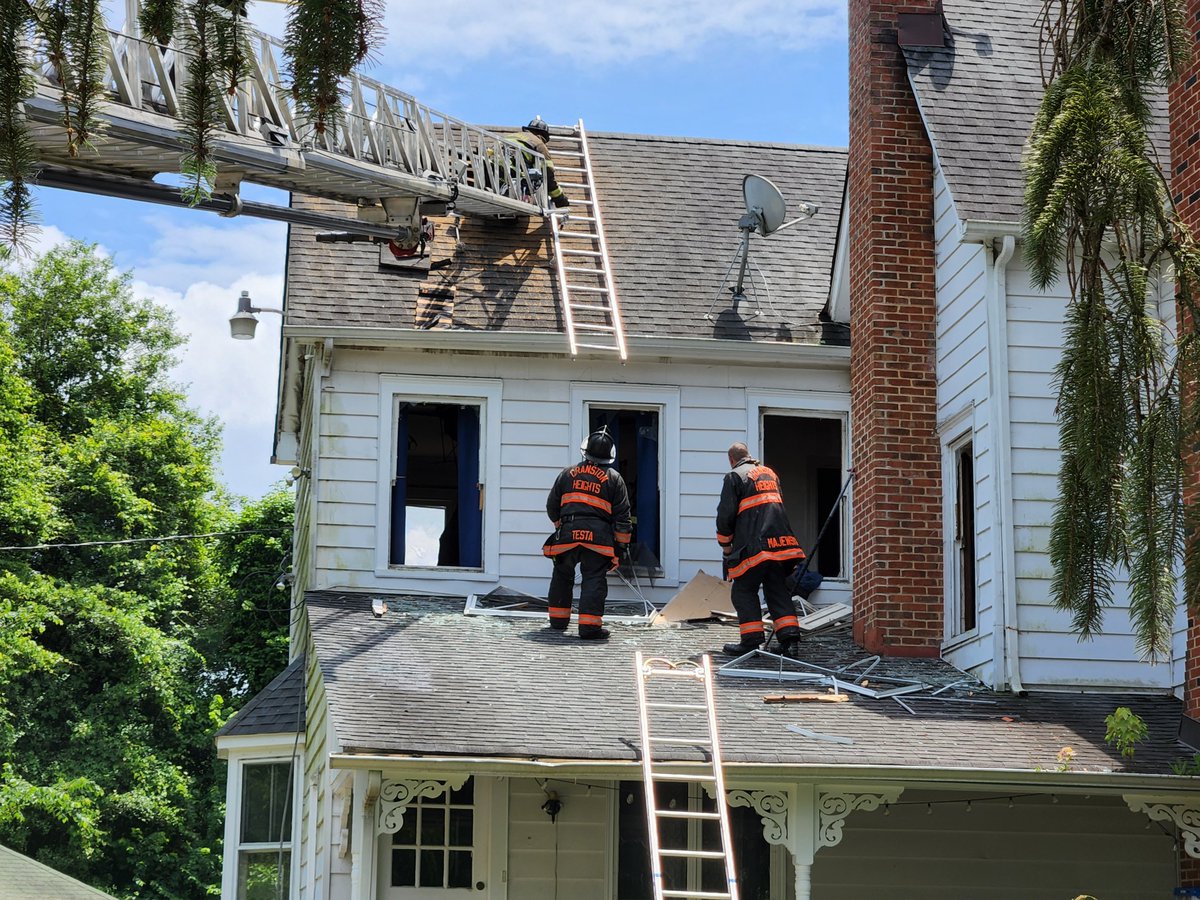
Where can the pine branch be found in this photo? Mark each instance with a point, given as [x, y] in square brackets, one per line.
[17, 152]
[200, 108]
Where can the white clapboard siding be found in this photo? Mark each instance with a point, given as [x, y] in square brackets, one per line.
[962, 375]
[565, 859]
[1051, 653]
[536, 441]
[1037, 850]
[312, 852]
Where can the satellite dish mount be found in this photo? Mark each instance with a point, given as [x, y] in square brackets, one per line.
[766, 213]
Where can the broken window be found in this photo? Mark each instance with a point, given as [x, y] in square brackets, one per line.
[963, 562]
[751, 852]
[436, 503]
[806, 454]
[637, 438]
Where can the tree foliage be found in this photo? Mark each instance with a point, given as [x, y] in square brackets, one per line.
[1097, 206]
[118, 662]
[325, 40]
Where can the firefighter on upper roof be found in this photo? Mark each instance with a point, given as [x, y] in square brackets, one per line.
[760, 550]
[589, 506]
[535, 136]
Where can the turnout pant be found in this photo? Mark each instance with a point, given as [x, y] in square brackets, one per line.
[593, 567]
[769, 575]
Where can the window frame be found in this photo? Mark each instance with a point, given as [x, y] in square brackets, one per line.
[811, 405]
[489, 848]
[487, 394]
[664, 400]
[957, 433]
[264, 750]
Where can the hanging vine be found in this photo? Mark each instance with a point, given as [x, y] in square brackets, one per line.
[326, 39]
[1098, 207]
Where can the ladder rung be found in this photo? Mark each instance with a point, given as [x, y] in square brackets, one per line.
[582, 271]
[582, 219]
[571, 184]
[582, 202]
[686, 814]
[587, 290]
[592, 253]
[694, 707]
[598, 346]
[674, 776]
[574, 153]
[569, 169]
[597, 329]
[698, 895]
[589, 235]
[586, 307]
[694, 854]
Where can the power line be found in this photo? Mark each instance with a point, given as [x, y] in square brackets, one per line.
[142, 540]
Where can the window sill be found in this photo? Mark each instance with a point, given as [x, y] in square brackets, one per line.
[436, 574]
[958, 640]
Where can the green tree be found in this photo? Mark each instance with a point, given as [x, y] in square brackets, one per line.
[1098, 208]
[108, 700]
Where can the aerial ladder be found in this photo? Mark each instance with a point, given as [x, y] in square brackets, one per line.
[394, 159]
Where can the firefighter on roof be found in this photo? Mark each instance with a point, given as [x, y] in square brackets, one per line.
[589, 505]
[760, 550]
[535, 136]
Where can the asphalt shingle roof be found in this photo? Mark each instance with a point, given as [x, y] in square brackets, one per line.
[276, 709]
[22, 878]
[425, 679]
[978, 97]
[670, 208]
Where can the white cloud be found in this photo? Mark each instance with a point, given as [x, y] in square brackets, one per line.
[217, 252]
[615, 31]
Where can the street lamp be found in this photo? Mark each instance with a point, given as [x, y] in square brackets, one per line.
[243, 322]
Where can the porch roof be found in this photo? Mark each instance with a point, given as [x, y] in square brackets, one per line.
[426, 680]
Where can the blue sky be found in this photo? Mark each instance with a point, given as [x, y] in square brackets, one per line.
[754, 70]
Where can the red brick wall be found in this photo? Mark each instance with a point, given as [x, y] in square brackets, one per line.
[1185, 186]
[1189, 871]
[898, 556]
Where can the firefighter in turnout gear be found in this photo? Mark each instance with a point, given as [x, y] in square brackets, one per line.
[760, 550]
[535, 136]
[589, 505]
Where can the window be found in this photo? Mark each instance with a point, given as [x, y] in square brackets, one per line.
[962, 562]
[806, 454]
[644, 423]
[446, 845]
[439, 450]
[752, 853]
[636, 437]
[264, 852]
[437, 518]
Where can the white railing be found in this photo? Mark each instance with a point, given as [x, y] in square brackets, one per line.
[379, 124]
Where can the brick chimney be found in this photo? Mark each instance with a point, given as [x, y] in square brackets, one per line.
[898, 553]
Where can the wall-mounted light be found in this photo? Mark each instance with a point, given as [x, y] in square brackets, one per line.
[243, 322]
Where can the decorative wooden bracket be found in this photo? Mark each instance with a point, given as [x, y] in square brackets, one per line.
[397, 796]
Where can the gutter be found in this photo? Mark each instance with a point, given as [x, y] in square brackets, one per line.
[1007, 634]
[983, 231]
[911, 777]
[525, 343]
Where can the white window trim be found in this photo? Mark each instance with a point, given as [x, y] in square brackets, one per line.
[953, 432]
[267, 749]
[487, 392]
[665, 400]
[491, 840]
[813, 405]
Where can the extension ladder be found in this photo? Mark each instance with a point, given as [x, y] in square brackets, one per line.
[678, 708]
[589, 293]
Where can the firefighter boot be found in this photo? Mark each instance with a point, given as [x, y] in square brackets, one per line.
[749, 642]
[592, 633]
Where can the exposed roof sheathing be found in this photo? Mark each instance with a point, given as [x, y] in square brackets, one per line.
[670, 208]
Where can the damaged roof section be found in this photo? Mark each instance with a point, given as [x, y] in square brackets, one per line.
[426, 680]
[670, 208]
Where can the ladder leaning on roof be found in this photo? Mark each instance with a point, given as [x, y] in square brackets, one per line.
[589, 293]
[682, 713]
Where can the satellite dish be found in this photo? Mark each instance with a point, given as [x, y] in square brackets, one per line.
[766, 211]
[765, 203]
